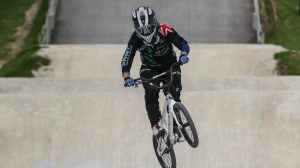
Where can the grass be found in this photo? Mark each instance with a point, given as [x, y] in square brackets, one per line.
[12, 14]
[286, 32]
[288, 63]
[27, 60]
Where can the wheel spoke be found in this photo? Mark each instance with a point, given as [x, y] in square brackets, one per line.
[161, 145]
[167, 160]
[190, 133]
[188, 128]
[185, 125]
[166, 157]
[183, 119]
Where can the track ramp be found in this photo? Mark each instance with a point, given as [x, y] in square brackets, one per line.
[77, 114]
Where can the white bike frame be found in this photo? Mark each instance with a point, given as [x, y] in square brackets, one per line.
[168, 115]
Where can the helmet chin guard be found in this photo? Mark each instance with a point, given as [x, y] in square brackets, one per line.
[149, 38]
[155, 40]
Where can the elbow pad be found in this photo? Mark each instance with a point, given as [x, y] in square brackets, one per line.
[185, 47]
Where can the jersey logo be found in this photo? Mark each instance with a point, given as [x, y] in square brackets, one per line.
[165, 29]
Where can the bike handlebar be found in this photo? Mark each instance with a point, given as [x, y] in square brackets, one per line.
[141, 80]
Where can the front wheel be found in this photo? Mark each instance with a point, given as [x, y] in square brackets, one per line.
[188, 128]
[164, 153]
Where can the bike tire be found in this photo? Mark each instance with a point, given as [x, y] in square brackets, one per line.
[170, 154]
[186, 121]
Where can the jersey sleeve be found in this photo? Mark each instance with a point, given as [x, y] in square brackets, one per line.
[169, 33]
[129, 54]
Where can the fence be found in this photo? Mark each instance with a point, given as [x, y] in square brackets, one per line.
[257, 23]
[49, 25]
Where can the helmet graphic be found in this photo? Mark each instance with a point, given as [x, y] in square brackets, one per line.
[145, 23]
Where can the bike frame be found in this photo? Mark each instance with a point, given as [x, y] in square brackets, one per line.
[168, 117]
[168, 114]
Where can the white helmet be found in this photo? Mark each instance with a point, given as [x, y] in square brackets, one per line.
[145, 23]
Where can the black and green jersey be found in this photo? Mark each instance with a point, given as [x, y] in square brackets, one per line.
[158, 55]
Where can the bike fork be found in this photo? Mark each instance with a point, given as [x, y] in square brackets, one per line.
[173, 116]
[168, 108]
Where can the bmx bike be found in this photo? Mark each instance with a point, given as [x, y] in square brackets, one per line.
[172, 112]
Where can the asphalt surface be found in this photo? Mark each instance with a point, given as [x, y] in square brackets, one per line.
[199, 21]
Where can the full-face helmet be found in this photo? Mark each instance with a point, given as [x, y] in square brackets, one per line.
[145, 23]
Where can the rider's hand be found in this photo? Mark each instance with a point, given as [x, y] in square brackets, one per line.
[129, 82]
[184, 59]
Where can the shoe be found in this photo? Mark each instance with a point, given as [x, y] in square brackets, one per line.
[178, 135]
[157, 130]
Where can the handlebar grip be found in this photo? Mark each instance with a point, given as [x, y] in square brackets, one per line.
[136, 82]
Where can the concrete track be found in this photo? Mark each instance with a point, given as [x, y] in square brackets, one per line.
[98, 61]
[91, 85]
[77, 114]
[200, 21]
[110, 130]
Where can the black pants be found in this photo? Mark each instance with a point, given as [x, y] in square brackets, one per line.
[152, 94]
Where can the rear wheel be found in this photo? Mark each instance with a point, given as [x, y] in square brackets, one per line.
[164, 153]
[188, 128]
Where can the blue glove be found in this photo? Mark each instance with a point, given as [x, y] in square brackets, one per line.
[129, 82]
[184, 59]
